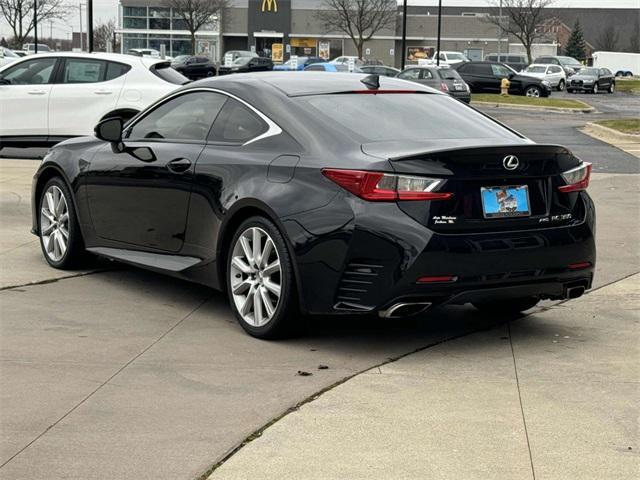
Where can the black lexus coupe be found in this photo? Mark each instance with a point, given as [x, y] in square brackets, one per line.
[314, 193]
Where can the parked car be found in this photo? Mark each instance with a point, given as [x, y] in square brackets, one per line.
[20, 53]
[330, 67]
[302, 63]
[450, 58]
[47, 98]
[569, 64]
[344, 59]
[194, 67]
[517, 61]
[235, 54]
[247, 64]
[445, 79]
[380, 70]
[592, 80]
[30, 48]
[419, 200]
[7, 56]
[487, 76]
[554, 74]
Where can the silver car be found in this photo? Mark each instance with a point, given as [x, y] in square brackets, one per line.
[554, 74]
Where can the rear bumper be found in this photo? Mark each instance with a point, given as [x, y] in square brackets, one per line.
[374, 259]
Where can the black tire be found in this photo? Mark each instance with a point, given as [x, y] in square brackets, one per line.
[561, 85]
[595, 89]
[612, 87]
[508, 306]
[75, 254]
[286, 316]
[570, 90]
[211, 73]
[533, 91]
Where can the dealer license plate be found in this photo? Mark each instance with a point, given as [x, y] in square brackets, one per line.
[510, 201]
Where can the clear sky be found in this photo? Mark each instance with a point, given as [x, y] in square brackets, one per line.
[108, 9]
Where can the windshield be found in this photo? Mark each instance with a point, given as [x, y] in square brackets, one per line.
[449, 74]
[238, 62]
[592, 72]
[401, 116]
[181, 59]
[536, 69]
[568, 61]
[8, 53]
[457, 56]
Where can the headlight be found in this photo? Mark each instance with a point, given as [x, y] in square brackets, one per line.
[546, 83]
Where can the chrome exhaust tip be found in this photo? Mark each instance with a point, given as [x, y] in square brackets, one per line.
[404, 309]
[574, 292]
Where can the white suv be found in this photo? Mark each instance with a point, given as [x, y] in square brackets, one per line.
[47, 98]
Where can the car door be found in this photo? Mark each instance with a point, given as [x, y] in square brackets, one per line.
[144, 202]
[555, 74]
[85, 89]
[24, 97]
[604, 80]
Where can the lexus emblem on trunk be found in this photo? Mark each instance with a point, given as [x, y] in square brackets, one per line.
[510, 162]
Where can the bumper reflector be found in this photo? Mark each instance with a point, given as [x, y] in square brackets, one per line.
[437, 279]
[579, 265]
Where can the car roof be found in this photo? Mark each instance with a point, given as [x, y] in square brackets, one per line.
[298, 83]
[114, 57]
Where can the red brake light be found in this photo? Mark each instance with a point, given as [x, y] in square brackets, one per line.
[386, 187]
[577, 178]
[437, 279]
[444, 87]
[579, 265]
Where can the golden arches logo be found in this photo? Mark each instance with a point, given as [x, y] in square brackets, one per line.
[270, 5]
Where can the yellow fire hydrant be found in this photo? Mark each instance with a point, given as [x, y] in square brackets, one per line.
[504, 87]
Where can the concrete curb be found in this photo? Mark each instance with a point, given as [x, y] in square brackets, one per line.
[615, 134]
[535, 108]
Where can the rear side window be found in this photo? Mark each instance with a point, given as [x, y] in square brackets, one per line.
[186, 117]
[30, 72]
[403, 116]
[491, 58]
[168, 74]
[237, 124]
[115, 70]
[81, 70]
[513, 59]
[410, 74]
[476, 68]
[315, 68]
[449, 74]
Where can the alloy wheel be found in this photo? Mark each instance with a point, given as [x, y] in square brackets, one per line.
[533, 92]
[561, 86]
[54, 223]
[255, 276]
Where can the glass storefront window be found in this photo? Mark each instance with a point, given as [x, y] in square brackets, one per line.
[134, 11]
[133, 40]
[155, 41]
[159, 12]
[134, 22]
[179, 24]
[159, 24]
[180, 45]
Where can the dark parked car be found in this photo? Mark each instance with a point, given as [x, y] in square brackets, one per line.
[247, 64]
[569, 64]
[442, 78]
[194, 67]
[517, 61]
[307, 194]
[380, 70]
[592, 80]
[487, 76]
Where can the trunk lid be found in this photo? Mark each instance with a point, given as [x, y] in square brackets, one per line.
[470, 165]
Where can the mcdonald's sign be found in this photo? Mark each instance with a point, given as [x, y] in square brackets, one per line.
[270, 6]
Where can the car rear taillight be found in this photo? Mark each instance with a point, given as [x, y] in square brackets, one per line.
[577, 178]
[444, 87]
[386, 187]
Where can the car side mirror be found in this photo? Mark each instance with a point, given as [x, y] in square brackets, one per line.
[4, 81]
[511, 75]
[109, 130]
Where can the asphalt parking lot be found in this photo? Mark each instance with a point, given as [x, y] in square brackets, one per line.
[118, 373]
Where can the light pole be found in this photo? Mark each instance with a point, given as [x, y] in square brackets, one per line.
[90, 25]
[500, 30]
[439, 30]
[404, 34]
[81, 39]
[35, 26]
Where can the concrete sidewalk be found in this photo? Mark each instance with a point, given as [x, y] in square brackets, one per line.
[550, 396]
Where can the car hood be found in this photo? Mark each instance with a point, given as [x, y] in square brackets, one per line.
[525, 78]
[533, 74]
[578, 76]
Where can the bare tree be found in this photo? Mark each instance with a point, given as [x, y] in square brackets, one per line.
[196, 14]
[608, 39]
[19, 15]
[524, 19]
[360, 19]
[103, 36]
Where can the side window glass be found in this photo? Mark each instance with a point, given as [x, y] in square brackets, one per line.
[411, 74]
[426, 74]
[78, 70]
[236, 124]
[187, 117]
[31, 72]
[499, 71]
[115, 70]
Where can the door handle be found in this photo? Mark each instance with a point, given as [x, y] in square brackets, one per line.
[179, 165]
[103, 92]
[36, 92]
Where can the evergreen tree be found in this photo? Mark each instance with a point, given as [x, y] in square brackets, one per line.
[576, 47]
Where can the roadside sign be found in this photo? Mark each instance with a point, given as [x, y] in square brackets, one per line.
[293, 63]
[288, 48]
[367, 51]
[324, 50]
[228, 59]
[276, 53]
[351, 65]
